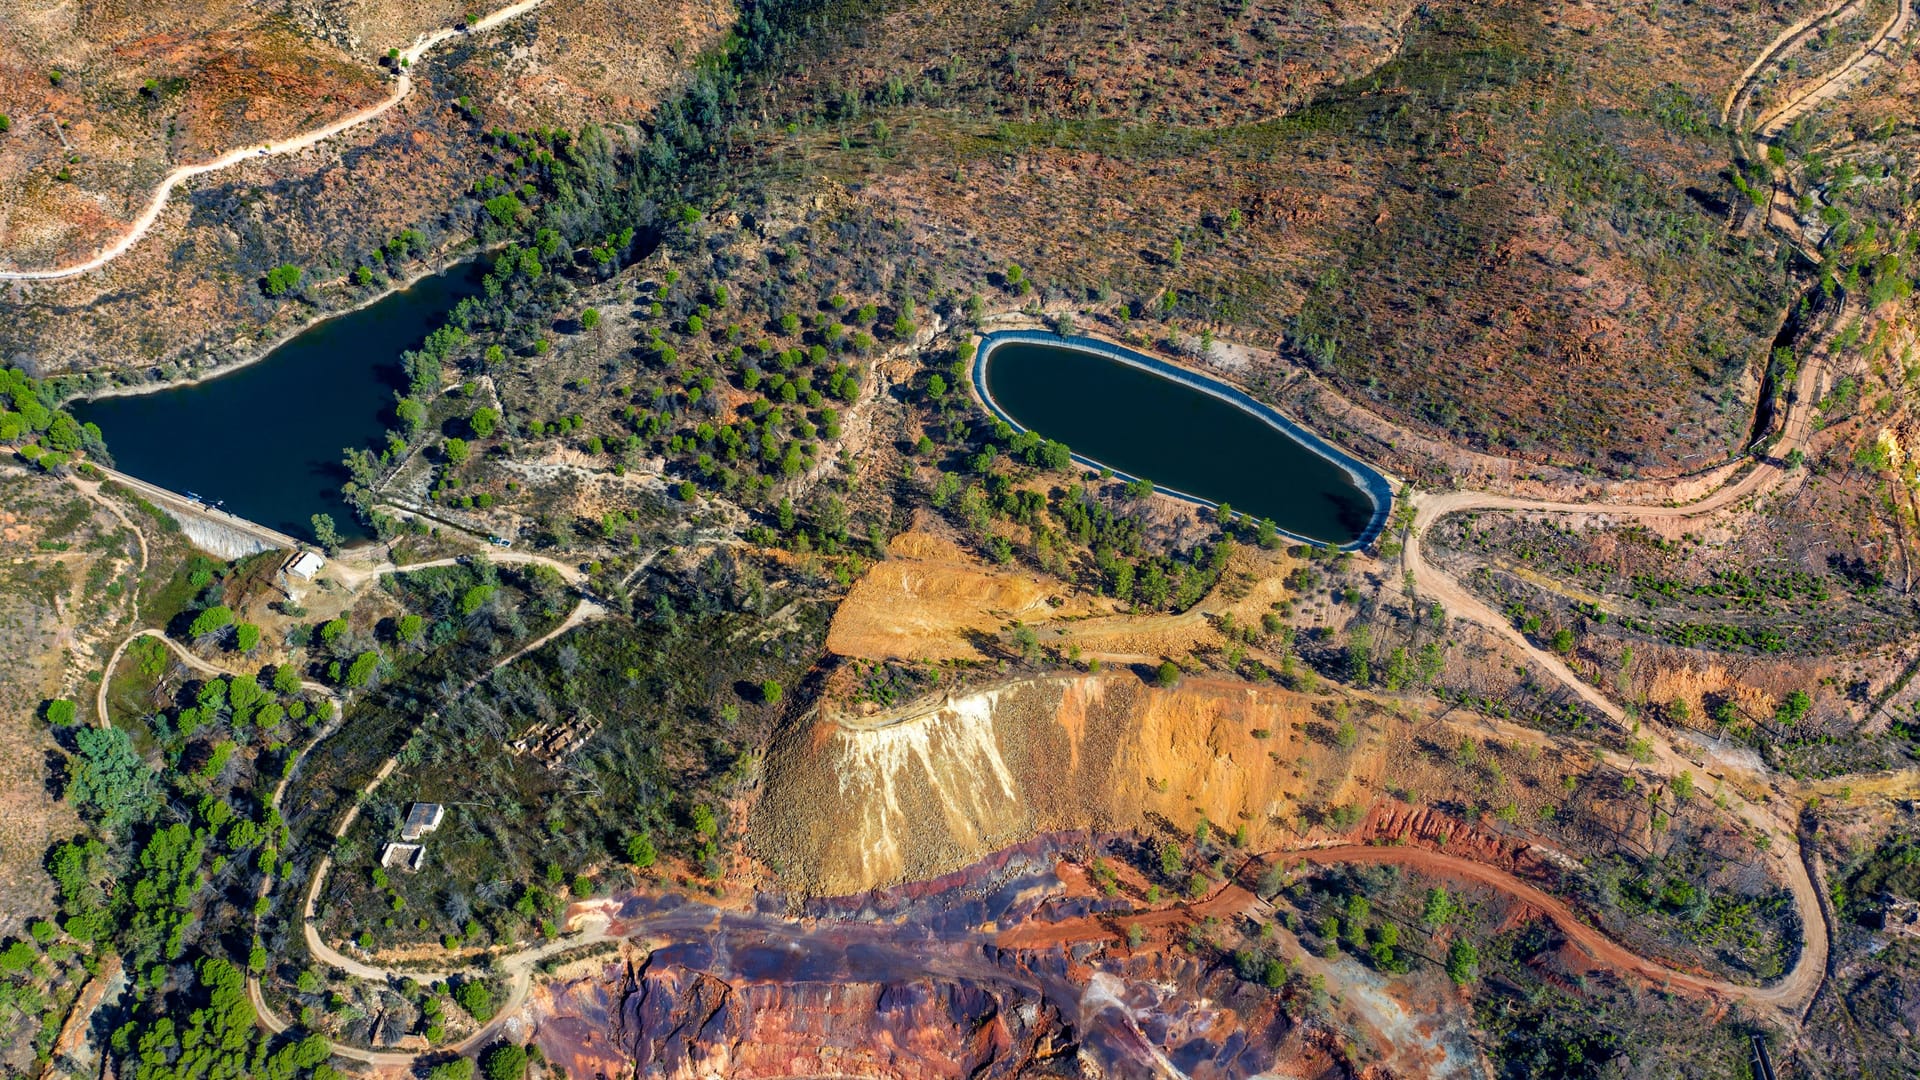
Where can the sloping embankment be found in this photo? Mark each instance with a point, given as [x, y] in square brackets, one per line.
[850, 807]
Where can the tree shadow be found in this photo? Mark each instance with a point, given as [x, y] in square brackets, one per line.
[57, 777]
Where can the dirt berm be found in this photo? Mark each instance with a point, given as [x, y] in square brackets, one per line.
[853, 804]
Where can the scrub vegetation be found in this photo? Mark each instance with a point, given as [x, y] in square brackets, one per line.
[753, 535]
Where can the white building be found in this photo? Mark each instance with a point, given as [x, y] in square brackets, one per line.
[422, 818]
[305, 565]
[408, 857]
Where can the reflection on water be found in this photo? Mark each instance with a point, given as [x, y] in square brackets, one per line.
[267, 439]
[1145, 425]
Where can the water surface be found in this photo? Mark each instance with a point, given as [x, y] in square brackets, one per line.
[1148, 425]
[268, 438]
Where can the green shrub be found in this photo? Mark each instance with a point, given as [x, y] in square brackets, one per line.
[283, 279]
[1463, 961]
[211, 620]
[504, 1061]
[476, 998]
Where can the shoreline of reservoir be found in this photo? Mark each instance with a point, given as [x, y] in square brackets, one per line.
[268, 436]
[1367, 480]
[261, 351]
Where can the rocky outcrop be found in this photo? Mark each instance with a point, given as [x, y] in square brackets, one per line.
[1393, 822]
[916, 985]
[668, 1021]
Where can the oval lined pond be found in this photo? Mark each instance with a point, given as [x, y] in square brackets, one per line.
[267, 439]
[1189, 434]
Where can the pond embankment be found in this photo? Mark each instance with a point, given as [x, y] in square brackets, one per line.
[1193, 436]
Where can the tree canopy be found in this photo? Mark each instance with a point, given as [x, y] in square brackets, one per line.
[283, 279]
[211, 620]
[504, 1061]
[110, 782]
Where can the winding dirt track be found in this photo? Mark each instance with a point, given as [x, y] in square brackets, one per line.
[93, 494]
[1841, 78]
[1430, 508]
[1236, 898]
[1790, 37]
[519, 966]
[1800, 984]
[402, 86]
[1787, 995]
[193, 662]
[1784, 995]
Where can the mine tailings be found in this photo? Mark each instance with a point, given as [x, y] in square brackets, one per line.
[1193, 436]
[267, 439]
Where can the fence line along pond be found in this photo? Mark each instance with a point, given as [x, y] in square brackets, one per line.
[1194, 437]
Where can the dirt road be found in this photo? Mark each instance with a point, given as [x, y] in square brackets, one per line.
[1784, 995]
[354, 570]
[1235, 899]
[1880, 47]
[402, 86]
[519, 966]
[91, 489]
[1803, 981]
[204, 667]
[1800, 984]
[584, 611]
[1431, 507]
[1742, 88]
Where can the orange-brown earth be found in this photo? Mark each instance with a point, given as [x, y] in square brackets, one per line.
[574, 62]
[105, 100]
[932, 600]
[1020, 964]
[853, 804]
[916, 984]
[187, 297]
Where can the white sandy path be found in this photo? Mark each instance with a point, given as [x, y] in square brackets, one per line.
[401, 88]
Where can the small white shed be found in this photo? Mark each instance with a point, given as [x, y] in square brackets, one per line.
[305, 565]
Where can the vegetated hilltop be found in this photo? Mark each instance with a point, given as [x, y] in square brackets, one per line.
[1506, 224]
[102, 103]
[1786, 621]
[723, 366]
[1436, 208]
[574, 62]
[393, 197]
[680, 704]
[69, 563]
[1866, 1019]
